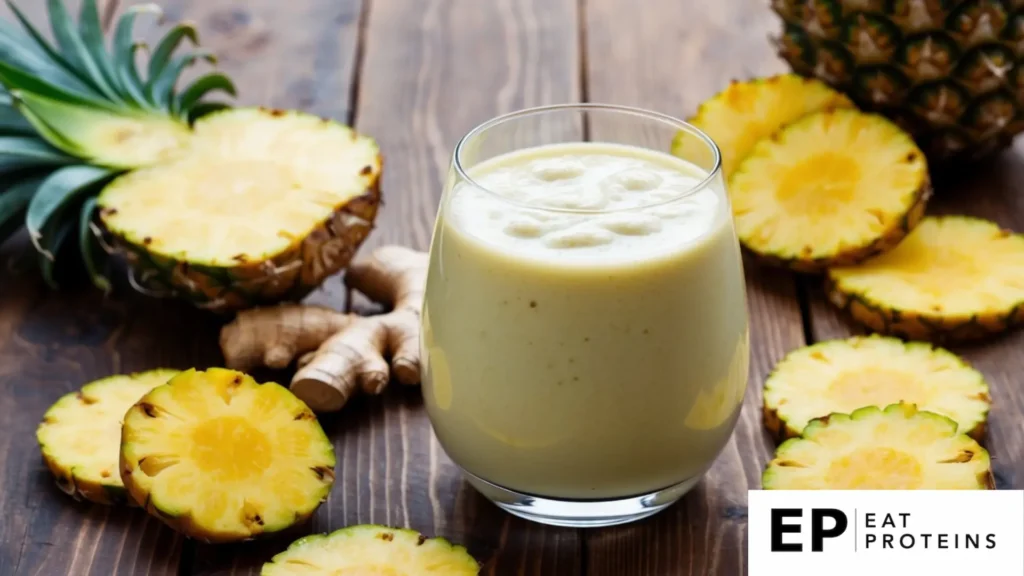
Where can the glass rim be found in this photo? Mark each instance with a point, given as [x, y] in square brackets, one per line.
[679, 125]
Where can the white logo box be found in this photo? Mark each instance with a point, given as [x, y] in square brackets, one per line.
[888, 532]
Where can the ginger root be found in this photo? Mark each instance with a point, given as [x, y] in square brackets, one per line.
[340, 353]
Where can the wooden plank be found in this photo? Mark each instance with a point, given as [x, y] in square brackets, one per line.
[669, 59]
[51, 343]
[432, 71]
[990, 190]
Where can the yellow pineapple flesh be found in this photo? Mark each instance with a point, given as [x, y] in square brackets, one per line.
[221, 458]
[372, 550]
[80, 435]
[833, 188]
[954, 278]
[262, 206]
[898, 448]
[746, 112]
[840, 376]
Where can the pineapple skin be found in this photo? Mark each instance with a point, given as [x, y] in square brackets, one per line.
[456, 556]
[781, 431]
[949, 73]
[288, 276]
[986, 480]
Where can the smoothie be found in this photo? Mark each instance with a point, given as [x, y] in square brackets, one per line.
[585, 330]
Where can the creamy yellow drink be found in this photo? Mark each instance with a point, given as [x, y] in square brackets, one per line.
[585, 330]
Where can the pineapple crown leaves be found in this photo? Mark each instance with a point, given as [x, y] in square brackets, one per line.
[68, 109]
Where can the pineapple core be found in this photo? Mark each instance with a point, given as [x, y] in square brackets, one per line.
[230, 448]
[875, 469]
[871, 386]
[820, 185]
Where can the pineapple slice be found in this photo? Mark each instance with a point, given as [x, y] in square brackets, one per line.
[371, 549]
[746, 112]
[844, 375]
[221, 458]
[81, 433]
[898, 448]
[833, 188]
[263, 206]
[954, 278]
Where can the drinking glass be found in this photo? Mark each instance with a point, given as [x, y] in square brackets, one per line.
[584, 362]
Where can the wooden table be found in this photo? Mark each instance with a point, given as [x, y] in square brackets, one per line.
[417, 74]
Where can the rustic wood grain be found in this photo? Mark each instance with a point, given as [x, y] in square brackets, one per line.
[50, 344]
[988, 190]
[669, 60]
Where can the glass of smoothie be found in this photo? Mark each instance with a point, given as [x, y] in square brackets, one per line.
[585, 336]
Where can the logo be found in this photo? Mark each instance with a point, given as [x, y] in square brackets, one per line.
[886, 532]
[818, 530]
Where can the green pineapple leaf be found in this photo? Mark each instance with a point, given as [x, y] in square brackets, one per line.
[96, 133]
[124, 52]
[48, 133]
[18, 152]
[91, 30]
[18, 50]
[161, 89]
[14, 203]
[54, 193]
[14, 78]
[162, 55]
[92, 254]
[11, 121]
[37, 37]
[129, 76]
[49, 246]
[201, 88]
[204, 108]
[74, 50]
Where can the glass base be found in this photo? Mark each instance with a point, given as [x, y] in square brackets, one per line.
[581, 513]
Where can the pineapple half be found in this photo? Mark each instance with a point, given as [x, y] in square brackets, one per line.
[833, 188]
[81, 126]
[263, 207]
[949, 72]
[80, 435]
[371, 549]
[746, 112]
[898, 448]
[840, 376]
[954, 278]
[220, 458]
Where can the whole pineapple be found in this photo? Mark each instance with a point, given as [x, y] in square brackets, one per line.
[945, 70]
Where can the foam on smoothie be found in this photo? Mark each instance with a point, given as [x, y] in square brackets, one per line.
[597, 201]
